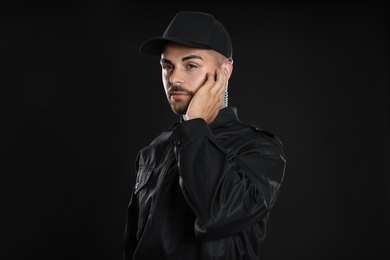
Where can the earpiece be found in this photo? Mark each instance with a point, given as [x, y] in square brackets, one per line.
[226, 96]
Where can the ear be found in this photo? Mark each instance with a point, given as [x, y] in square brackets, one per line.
[228, 67]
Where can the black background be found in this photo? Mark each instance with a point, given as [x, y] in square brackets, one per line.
[78, 101]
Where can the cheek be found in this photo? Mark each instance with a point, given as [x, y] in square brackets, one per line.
[197, 81]
[164, 77]
[165, 81]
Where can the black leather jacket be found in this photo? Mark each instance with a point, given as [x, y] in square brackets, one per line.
[204, 191]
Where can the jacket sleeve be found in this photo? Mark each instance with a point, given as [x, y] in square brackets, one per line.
[130, 237]
[228, 192]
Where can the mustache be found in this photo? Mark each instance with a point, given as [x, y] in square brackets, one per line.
[175, 88]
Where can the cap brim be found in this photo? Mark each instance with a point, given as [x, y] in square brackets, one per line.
[154, 46]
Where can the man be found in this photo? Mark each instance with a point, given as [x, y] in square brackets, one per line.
[204, 187]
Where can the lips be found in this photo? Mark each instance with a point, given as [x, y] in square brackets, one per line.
[177, 94]
[173, 93]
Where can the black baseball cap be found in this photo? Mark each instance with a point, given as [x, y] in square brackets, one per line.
[194, 29]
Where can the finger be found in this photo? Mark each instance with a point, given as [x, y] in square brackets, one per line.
[221, 80]
[210, 80]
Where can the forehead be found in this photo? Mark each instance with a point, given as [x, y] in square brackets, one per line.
[174, 50]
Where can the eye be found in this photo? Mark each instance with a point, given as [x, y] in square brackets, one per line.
[166, 66]
[191, 66]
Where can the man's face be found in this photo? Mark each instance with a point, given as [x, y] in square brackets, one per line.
[184, 71]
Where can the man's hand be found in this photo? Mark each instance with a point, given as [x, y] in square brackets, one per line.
[208, 100]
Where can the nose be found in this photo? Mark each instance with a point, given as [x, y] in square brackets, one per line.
[176, 77]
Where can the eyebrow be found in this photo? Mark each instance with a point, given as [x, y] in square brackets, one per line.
[189, 57]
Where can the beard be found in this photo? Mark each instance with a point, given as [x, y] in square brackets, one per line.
[179, 106]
